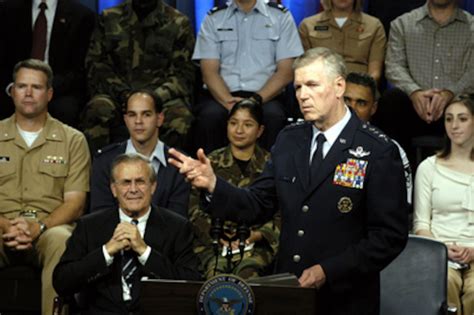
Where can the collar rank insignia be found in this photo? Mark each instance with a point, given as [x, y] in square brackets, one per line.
[359, 152]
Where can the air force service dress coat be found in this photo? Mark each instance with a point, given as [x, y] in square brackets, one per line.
[351, 219]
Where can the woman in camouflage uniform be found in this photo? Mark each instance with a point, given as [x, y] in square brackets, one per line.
[240, 163]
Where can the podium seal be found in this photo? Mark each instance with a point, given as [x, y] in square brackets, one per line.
[225, 294]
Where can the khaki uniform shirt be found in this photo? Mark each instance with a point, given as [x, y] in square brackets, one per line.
[360, 41]
[36, 177]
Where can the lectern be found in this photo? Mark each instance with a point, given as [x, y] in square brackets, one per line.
[179, 298]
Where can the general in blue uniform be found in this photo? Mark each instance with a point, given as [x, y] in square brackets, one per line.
[344, 218]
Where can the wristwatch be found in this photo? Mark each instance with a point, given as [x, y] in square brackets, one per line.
[43, 227]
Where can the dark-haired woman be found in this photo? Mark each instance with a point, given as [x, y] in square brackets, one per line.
[240, 163]
[444, 201]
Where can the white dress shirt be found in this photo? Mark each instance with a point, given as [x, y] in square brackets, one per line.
[331, 135]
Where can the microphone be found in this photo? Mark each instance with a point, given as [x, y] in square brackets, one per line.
[243, 232]
[215, 233]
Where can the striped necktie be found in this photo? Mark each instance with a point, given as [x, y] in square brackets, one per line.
[129, 264]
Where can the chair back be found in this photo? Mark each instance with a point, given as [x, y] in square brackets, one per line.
[416, 281]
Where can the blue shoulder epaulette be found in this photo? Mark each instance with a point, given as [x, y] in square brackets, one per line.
[280, 7]
[298, 124]
[216, 9]
[375, 132]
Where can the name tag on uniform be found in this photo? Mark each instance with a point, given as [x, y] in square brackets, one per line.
[225, 29]
[4, 159]
[321, 28]
[351, 174]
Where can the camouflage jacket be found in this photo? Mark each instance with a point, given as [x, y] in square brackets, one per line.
[225, 167]
[155, 53]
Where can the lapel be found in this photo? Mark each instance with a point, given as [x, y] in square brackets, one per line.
[155, 229]
[59, 31]
[163, 175]
[115, 289]
[23, 24]
[301, 155]
[336, 153]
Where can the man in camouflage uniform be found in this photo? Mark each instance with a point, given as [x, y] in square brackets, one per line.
[139, 44]
[266, 237]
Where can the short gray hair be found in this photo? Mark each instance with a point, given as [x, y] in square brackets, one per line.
[334, 63]
[132, 158]
[35, 64]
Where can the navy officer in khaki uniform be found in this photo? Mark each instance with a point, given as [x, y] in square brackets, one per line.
[344, 28]
[339, 184]
[44, 177]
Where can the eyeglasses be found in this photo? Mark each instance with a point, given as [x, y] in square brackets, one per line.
[127, 183]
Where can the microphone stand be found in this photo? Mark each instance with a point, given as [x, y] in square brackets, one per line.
[216, 232]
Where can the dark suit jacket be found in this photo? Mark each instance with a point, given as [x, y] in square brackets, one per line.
[72, 27]
[172, 191]
[352, 233]
[83, 268]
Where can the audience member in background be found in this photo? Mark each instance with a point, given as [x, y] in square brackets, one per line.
[343, 27]
[44, 177]
[245, 49]
[139, 44]
[444, 201]
[143, 117]
[111, 250]
[66, 36]
[361, 96]
[430, 58]
[239, 163]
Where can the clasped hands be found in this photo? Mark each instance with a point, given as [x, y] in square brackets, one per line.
[429, 104]
[461, 254]
[20, 234]
[126, 237]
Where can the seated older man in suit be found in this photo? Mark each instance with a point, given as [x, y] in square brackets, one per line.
[111, 250]
[143, 117]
